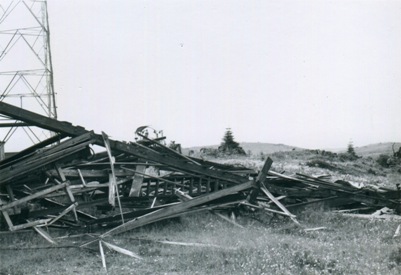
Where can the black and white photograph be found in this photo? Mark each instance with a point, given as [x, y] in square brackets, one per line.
[200, 137]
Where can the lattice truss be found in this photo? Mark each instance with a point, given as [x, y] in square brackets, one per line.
[26, 75]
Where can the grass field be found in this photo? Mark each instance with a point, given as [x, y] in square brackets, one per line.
[205, 244]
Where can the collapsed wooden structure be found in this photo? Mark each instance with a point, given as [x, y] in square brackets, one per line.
[61, 182]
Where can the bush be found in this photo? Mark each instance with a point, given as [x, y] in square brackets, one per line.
[350, 155]
[384, 160]
[347, 157]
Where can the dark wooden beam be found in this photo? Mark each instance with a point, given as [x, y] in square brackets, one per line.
[40, 121]
[51, 155]
[22, 154]
[14, 124]
[177, 209]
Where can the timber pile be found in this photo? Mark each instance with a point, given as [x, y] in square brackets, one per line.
[62, 183]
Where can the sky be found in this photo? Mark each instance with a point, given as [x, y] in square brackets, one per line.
[312, 74]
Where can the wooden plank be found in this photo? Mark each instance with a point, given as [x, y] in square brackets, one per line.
[83, 205]
[191, 186]
[112, 190]
[226, 219]
[34, 196]
[137, 181]
[216, 185]
[199, 186]
[63, 213]
[157, 188]
[40, 120]
[168, 149]
[30, 224]
[122, 250]
[59, 172]
[397, 231]
[313, 201]
[148, 189]
[195, 244]
[278, 203]
[265, 207]
[47, 157]
[181, 243]
[86, 174]
[112, 178]
[153, 202]
[154, 177]
[72, 200]
[263, 173]
[176, 209]
[260, 179]
[8, 220]
[44, 235]
[30, 150]
[186, 197]
[81, 177]
[201, 209]
[165, 188]
[315, 229]
[11, 194]
[102, 256]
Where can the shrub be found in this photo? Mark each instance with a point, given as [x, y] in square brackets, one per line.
[347, 157]
[350, 155]
[383, 160]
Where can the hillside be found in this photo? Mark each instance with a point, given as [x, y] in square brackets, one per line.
[371, 150]
[374, 150]
[254, 147]
[266, 148]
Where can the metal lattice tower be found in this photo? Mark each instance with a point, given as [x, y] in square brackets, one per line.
[26, 74]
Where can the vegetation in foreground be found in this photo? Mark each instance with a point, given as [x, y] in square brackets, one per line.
[267, 245]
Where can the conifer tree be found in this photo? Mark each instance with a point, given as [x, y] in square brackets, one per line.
[229, 145]
[351, 151]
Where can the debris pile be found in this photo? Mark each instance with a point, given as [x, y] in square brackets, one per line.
[62, 182]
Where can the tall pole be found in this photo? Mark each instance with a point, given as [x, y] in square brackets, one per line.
[26, 69]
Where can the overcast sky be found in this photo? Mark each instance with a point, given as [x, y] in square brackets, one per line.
[314, 74]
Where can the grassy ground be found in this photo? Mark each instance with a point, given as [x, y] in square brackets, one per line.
[266, 244]
[346, 246]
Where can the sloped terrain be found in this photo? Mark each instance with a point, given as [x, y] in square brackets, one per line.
[256, 148]
[374, 150]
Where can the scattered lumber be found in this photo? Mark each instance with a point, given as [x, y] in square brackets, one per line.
[63, 182]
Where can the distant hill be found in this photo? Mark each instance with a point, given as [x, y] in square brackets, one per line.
[374, 150]
[267, 148]
[254, 147]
